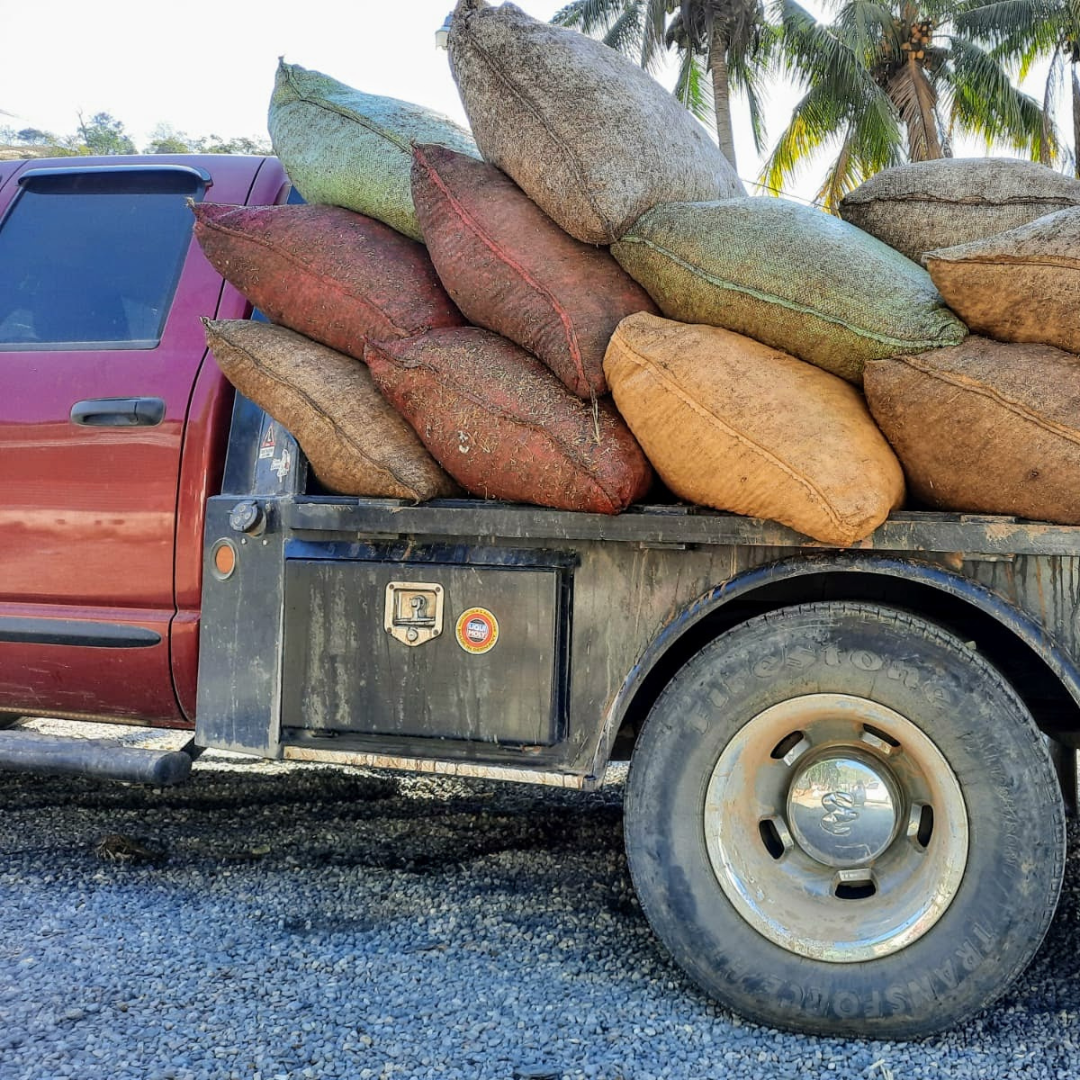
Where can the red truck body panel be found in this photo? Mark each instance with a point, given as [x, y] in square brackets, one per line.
[100, 527]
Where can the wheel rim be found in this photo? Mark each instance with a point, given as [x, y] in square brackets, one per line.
[836, 828]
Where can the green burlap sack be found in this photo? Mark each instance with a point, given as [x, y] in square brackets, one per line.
[345, 148]
[790, 276]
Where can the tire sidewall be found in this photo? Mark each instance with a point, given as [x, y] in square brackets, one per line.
[1009, 889]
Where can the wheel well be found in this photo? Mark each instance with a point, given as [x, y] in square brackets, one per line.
[1050, 703]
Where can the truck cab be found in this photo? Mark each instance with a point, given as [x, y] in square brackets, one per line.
[112, 428]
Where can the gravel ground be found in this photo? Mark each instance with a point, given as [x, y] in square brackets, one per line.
[306, 921]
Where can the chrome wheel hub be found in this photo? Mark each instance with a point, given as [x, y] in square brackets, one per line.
[842, 809]
[836, 827]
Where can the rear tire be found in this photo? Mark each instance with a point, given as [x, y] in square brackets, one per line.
[840, 819]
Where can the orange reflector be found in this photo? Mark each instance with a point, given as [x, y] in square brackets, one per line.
[224, 559]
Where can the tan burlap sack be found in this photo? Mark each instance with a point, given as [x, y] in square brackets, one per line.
[583, 131]
[355, 441]
[733, 424]
[985, 428]
[935, 204]
[346, 148]
[790, 276]
[1022, 285]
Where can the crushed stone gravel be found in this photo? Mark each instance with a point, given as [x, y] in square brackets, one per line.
[306, 921]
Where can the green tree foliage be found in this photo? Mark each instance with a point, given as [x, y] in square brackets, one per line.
[721, 45]
[103, 134]
[165, 139]
[1023, 32]
[888, 81]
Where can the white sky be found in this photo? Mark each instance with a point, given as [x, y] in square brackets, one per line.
[210, 70]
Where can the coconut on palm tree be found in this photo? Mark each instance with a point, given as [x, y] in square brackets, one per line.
[1023, 32]
[888, 81]
[722, 45]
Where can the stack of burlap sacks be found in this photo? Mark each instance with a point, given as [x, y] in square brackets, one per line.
[586, 291]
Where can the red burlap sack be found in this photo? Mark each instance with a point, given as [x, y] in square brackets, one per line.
[330, 274]
[511, 269]
[504, 427]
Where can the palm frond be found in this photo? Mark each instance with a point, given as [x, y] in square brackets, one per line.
[813, 122]
[842, 176]
[864, 23]
[986, 102]
[625, 32]
[916, 102]
[694, 87]
[1015, 21]
[653, 27]
[589, 16]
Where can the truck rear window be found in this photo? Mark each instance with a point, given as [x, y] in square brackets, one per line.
[90, 258]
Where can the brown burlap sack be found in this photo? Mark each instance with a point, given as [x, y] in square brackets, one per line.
[984, 427]
[1022, 285]
[585, 132]
[328, 273]
[353, 439]
[733, 424]
[502, 425]
[789, 276]
[511, 269]
[936, 204]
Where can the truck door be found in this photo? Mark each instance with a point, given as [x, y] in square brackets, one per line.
[97, 365]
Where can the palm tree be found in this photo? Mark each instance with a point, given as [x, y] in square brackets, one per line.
[1023, 32]
[888, 81]
[722, 45]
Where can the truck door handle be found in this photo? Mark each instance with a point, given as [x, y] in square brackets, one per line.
[119, 412]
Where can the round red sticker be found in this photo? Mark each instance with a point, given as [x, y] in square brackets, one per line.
[477, 630]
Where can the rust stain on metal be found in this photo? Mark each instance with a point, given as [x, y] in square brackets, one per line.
[441, 768]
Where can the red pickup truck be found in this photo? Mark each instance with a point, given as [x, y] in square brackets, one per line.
[850, 769]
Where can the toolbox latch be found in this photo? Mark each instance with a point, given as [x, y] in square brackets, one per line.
[414, 611]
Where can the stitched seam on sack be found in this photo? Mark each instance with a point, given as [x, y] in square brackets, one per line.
[1058, 262]
[405, 147]
[739, 437]
[320, 412]
[571, 453]
[771, 298]
[969, 200]
[363, 301]
[1015, 407]
[474, 225]
[567, 155]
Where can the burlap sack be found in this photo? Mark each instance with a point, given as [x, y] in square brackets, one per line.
[985, 428]
[1022, 285]
[732, 424]
[936, 204]
[346, 148]
[332, 275]
[585, 132]
[789, 276]
[511, 269]
[504, 427]
[356, 443]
